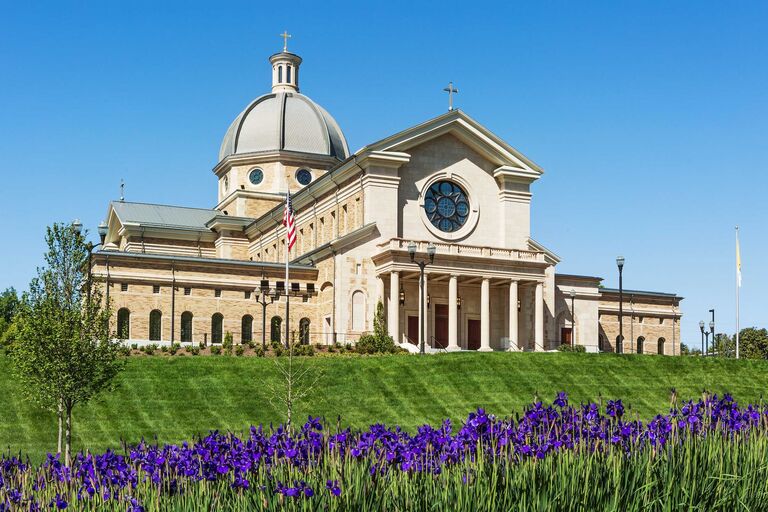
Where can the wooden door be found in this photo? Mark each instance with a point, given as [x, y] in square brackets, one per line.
[566, 335]
[473, 334]
[441, 325]
[413, 329]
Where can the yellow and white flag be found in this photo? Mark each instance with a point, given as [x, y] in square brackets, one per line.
[738, 260]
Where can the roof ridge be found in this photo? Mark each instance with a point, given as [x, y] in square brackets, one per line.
[168, 206]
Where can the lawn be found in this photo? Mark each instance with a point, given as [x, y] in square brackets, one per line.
[174, 398]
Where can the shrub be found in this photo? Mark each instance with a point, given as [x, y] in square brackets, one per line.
[304, 350]
[278, 350]
[125, 351]
[189, 348]
[260, 352]
[174, 348]
[164, 349]
[202, 345]
[195, 351]
[150, 349]
[239, 350]
[227, 343]
[569, 348]
[379, 342]
[331, 349]
[215, 350]
[135, 346]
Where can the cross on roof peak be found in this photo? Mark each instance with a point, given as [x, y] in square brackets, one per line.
[451, 90]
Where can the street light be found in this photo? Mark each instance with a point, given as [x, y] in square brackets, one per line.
[573, 317]
[422, 264]
[89, 246]
[261, 298]
[701, 328]
[620, 264]
[712, 331]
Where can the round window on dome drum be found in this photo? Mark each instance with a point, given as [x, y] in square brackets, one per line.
[303, 176]
[446, 206]
[256, 176]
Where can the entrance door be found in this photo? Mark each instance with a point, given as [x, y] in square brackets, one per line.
[413, 329]
[473, 334]
[566, 335]
[441, 325]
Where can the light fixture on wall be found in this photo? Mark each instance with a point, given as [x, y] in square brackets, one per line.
[402, 295]
[458, 302]
[429, 300]
[519, 306]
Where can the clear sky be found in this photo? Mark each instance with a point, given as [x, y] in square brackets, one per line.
[650, 119]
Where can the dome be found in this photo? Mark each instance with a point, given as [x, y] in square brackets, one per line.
[284, 121]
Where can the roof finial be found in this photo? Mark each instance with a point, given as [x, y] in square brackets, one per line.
[285, 35]
[451, 91]
[122, 189]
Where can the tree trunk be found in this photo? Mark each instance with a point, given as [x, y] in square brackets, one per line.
[68, 441]
[60, 415]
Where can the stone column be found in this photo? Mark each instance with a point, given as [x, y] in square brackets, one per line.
[513, 314]
[379, 291]
[485, 316]
[538, 339]
[453, 314]
[393, 316]
[425, 320]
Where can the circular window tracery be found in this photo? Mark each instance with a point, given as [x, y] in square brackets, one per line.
[256, 176]
[446, 205]
[304, 177]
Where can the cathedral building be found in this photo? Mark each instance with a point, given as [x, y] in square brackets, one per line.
[364, 220]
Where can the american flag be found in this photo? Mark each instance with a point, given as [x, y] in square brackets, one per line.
[289, 221]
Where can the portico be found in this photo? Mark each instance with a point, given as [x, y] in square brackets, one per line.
[476, 298]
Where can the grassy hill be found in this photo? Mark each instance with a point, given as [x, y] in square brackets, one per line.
[175, 398]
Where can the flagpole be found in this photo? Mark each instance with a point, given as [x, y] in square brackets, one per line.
[287, 285]
[738, 286]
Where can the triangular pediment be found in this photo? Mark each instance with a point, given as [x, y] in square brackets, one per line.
[464, 128]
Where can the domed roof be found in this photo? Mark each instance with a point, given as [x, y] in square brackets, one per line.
[284, 121]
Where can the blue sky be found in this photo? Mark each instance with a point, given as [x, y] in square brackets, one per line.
[650, 119]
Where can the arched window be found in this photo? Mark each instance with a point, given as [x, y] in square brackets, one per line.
[358, 311]
[246, 329]
[279, 74]
[217, 325]
[288, 74]
[186, 326]
[640, 343]
[274, 328]
[123, 323]
[602, 343]
[155, 325]
[304, 331]
[660, 348]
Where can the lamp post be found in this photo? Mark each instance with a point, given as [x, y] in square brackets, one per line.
[573, 317]
[712, 329]
[422, 264]
[261, 298]
[701, 328]
[620, 264]
[89, 246]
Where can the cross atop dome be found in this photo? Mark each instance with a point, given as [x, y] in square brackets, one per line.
[285, 68]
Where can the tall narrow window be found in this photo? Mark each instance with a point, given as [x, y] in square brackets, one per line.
[279, 74]
[246, 335]
[660, 348]
[123, 324]
[640, 343]
[274, 328]
[304, 331]
[155, 325]
[186, 326]
[217, 325]
[288, 74]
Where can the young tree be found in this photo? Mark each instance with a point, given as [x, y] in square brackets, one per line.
[63, 352]
[9, 305]
[298, 380]
[754, 343]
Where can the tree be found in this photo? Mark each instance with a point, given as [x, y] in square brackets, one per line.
[63, 352]
[753, 343]
[9, 305]
[299, 379]
[380, 341]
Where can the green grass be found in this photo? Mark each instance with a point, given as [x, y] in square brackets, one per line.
[176, 398]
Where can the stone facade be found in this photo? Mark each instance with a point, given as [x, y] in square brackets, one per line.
[189, 274]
